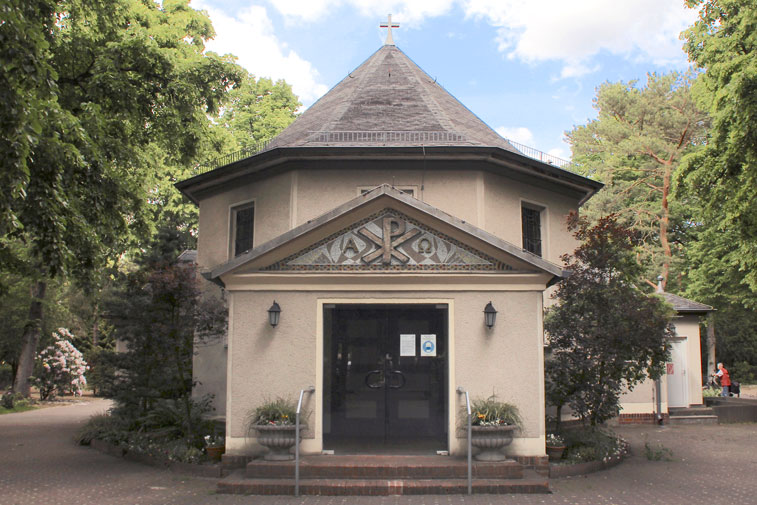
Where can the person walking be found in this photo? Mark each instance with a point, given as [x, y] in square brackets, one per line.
[725, 379]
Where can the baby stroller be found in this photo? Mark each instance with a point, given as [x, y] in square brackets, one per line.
[735, 389]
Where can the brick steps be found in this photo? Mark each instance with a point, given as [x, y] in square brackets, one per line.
[713, 419]
[384, 467]
[237, 484]
[692, 415]
[383, 475]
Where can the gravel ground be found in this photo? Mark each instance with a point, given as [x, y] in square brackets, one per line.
[40, 464]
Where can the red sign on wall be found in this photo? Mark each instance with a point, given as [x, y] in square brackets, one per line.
[669, 367]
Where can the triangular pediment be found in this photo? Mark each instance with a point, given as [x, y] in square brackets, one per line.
[386, 230]
[389, 240]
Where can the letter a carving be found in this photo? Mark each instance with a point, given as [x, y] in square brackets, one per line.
[394, 234]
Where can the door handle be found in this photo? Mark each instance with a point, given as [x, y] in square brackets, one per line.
[402, 380]
[374, 385]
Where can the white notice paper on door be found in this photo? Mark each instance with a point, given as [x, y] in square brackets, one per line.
[428, 345]
[407, 345]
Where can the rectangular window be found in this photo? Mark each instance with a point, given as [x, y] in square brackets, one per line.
[531, 221]
[242, 221]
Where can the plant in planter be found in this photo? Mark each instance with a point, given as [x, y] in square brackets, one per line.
[215, 446]
[274, 422]
[493, 425]
[555, 446]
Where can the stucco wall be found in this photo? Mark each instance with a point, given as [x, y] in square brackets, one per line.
[289, 199]
[688, 326]
[451, 191]
[209, 370]
[268, 362]
[272, 202]
[641, 399]
[502, 202]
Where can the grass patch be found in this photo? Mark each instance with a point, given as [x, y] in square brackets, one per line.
[657, 452]
[18, 408]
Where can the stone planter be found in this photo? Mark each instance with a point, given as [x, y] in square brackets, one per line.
[278, 439]
[490, 439]
[555, 452]
[215, 453]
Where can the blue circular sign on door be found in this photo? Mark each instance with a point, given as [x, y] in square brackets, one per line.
[428, 346]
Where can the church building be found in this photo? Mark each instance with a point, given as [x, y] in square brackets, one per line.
[364, 252]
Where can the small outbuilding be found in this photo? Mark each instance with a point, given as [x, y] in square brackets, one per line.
[682, 384]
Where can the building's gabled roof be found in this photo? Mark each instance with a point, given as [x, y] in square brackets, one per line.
[387, 108]
[388, 101]
[684, 305]
[300, 237]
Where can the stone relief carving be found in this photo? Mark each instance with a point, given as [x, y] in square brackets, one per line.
[389, 240]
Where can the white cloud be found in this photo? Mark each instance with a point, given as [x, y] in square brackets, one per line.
[410, 13]
[304, 10]
[560, 152]
[519, 134]
[574, 32]
[249, 36]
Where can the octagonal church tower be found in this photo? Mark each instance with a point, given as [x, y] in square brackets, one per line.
[382, 222]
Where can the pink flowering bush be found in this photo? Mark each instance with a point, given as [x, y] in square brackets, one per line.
[62, 367]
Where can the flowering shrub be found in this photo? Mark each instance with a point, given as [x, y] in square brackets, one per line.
[490, 412]
[278, 412]
[555, 440]
[214, 440]
[62, 367]
[593, 444]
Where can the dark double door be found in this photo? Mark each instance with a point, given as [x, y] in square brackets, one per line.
[385, 377]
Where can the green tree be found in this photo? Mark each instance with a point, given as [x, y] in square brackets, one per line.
[258, 110]
[604, 333]
[27, 94]
[115, 81]
[635, 146]
[715, 278]
[160, 316]
[723, 42]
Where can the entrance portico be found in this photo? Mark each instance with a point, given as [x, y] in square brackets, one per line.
[385, 375]
[382, 310]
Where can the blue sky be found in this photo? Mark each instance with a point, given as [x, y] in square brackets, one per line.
[528, 68]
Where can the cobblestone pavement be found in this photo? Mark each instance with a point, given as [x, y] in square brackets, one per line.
[40, 464]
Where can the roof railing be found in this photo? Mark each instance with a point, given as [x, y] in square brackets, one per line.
[540, 155]
[377, 136]
[385, 136]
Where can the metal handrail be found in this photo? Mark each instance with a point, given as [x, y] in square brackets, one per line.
[297, 440]
[540, 155]
[462, 391]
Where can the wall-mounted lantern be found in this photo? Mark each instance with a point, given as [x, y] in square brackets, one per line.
[274, 313]
[490, 315]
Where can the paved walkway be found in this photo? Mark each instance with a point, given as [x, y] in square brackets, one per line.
[40, 464]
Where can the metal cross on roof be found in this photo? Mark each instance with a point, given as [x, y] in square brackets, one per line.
[389, 40]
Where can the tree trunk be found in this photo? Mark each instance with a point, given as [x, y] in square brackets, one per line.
[95, 324]
[30, 339]
[711, 362]
[664, 222]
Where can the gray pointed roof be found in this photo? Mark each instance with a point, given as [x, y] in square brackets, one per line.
[388, 101]
[387, 108]
[684, 305]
